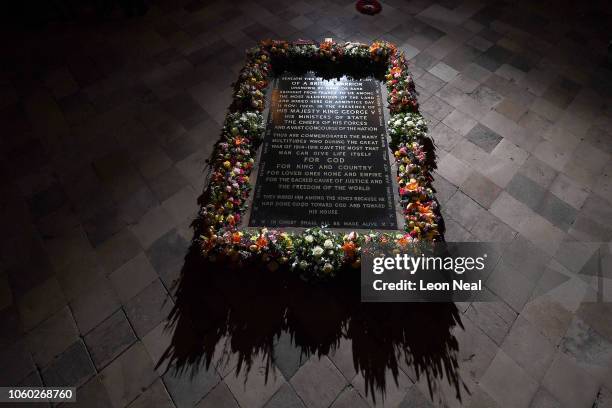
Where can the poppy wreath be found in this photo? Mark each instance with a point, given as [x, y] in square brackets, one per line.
[315, 253]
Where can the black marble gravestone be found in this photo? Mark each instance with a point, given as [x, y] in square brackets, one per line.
[325, 158]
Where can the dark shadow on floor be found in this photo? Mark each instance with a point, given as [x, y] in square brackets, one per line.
[249, 308]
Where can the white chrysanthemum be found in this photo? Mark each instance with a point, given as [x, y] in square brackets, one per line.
[327, 268]
[309, 239]
[303, 264]
[328, 244]
[317, 251]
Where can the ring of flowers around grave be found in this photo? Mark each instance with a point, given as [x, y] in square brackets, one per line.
[316, 253]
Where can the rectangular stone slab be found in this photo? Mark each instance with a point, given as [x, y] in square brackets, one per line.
[325, 158]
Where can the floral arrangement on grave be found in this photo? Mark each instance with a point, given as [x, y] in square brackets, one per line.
[316, 253]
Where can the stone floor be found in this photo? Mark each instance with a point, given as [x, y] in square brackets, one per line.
[105, 131]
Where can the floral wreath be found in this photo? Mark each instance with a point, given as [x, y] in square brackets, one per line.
[315, 253]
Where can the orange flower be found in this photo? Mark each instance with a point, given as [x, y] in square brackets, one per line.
[412, 186]
[395, 70]
[326, 45]
[261, 241]
[349, 247]
[236, 237]
[423, 209]
[403, 241]
[238, 141]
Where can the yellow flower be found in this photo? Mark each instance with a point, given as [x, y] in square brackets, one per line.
[227, 164]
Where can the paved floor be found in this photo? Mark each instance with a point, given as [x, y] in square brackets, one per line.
[105, 130]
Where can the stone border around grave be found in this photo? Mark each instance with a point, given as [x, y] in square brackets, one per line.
[314, 253]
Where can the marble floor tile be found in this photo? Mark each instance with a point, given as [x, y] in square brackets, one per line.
[52, 337]
[72, 368]
[261, 385]
[126, 377]
[285, 397]
[154, 396]
[95, 305]
[503, 377]
[320, 389]
[109, 339]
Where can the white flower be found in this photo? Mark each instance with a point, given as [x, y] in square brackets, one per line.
[328, 244]
[303, 264]
[327, 268]
[309, 239]
[317, 251]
